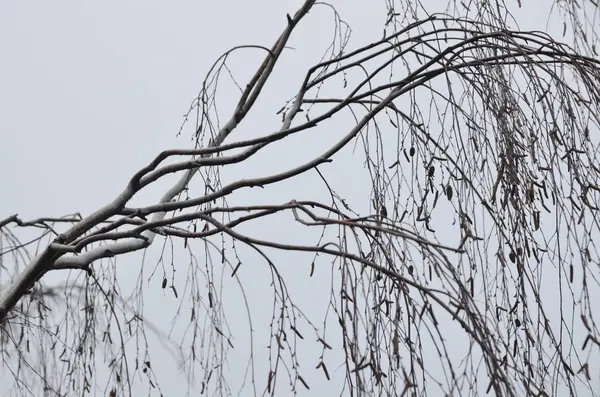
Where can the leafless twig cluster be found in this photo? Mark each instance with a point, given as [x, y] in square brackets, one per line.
[480, 145]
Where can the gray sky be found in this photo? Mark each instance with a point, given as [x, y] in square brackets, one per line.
[92, 91]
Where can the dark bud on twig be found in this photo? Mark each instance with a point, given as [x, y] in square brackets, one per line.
[449, 192]
[431, 171]
[289, 18]
[383, 211]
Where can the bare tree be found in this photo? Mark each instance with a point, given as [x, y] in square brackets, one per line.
[480, 142]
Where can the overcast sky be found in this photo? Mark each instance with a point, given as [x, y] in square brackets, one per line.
[91, 91]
